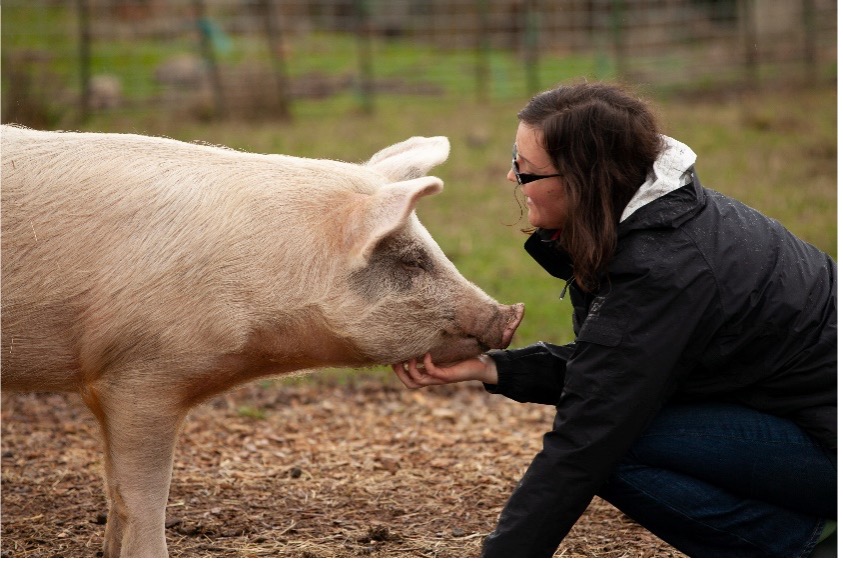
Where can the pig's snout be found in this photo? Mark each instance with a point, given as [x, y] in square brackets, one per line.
[492, 331]
[516, 314]
[498, 333]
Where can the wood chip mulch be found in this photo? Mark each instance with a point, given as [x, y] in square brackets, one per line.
[300, 468]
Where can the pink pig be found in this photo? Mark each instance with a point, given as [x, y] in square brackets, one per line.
[149, 274]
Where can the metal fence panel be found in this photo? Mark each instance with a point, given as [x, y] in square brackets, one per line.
[258, 58]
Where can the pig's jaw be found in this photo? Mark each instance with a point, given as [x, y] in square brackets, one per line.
[459, 348]
[465, 348]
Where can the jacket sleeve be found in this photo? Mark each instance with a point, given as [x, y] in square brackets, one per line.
[531, 374]
[630, 353]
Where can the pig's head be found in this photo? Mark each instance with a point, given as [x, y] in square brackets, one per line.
[404, 297]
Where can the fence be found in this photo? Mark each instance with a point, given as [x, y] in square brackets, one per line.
[259, 58]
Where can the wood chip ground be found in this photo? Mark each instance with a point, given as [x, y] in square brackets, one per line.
[295, 469]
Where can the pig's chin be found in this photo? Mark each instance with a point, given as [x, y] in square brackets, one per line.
[456, 351]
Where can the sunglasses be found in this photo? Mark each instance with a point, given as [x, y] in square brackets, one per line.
[526, 178]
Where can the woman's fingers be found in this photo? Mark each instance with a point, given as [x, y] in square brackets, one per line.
[414, 374]
[400, 369]
[430, 368]
[420, 374]
[417, 373]
[409, 374]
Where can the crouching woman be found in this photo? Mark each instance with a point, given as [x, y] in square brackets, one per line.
[700, 394]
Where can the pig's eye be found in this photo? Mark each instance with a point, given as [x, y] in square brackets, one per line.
[412, 265]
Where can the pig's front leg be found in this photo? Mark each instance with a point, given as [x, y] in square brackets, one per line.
[139, 423]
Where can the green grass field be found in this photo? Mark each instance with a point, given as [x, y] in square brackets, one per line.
[776, 151]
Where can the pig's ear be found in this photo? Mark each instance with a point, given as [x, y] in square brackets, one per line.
[384, 213]
[410, 159]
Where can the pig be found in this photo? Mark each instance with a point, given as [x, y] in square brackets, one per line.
[148, 274]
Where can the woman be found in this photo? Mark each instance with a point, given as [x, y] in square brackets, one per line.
[700, 394]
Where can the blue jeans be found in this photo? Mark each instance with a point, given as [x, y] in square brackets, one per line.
[718, 480]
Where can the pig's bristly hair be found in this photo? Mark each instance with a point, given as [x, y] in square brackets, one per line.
[174, 217]
[149, 275]
[194, 228]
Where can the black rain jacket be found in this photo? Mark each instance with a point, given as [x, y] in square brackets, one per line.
[706, 299]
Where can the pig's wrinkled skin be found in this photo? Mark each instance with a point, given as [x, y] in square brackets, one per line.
[149, 274]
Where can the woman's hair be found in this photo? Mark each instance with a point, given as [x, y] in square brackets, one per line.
[603, 141]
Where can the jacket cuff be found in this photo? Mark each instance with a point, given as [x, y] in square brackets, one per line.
[504, 362]
[531, 374]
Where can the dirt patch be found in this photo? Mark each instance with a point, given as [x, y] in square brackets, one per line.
[364, 469]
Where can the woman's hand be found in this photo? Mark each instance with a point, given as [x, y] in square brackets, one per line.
[481, 368]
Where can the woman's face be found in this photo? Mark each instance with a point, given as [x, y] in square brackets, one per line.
[545, 199]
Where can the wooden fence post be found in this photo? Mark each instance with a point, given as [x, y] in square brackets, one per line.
[84, 59]
[482, 66]
[809, 20]
[618, 39]
[276, 55]
[531, 47]
[750, 41]
[364, 43]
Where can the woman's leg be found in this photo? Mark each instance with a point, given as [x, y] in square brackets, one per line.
[720, 480]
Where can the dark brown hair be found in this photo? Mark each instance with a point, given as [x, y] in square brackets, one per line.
[603, 141]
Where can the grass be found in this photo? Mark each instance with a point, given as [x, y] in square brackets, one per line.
[774, 150]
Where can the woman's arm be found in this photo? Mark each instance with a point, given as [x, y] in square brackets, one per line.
[481, 368]
[530, 374]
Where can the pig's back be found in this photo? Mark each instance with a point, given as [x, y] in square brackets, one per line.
[128, 238]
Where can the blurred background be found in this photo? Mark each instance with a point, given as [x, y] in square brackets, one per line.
[750, 85]
[66, 59]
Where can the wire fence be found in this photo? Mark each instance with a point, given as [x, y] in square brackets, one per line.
[259, 58]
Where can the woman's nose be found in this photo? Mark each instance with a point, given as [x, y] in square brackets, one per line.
[511, 175]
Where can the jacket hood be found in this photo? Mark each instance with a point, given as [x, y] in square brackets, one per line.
[671, 170]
